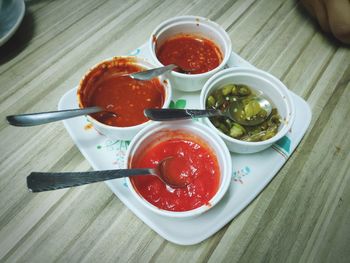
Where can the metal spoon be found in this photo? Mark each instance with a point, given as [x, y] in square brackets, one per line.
[233, 112]
[39, 118]
[152, 73]
[32, 119]
[39, 182]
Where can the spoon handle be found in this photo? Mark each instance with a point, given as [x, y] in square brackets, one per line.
[150, 74]
[39, 182]
[179, 114]
[33, 119]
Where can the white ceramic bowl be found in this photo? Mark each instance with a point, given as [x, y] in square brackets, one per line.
[258, 80]
[126, 133]
[157, 132]
[191, 25]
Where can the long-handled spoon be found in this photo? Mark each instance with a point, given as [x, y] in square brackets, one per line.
[233, 112]
[152, 73]
[39, 182]
[39, 118]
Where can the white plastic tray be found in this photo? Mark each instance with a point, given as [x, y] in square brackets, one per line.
[251, 173]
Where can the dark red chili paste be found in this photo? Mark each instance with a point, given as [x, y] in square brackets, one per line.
[193, 54]
[123, 98]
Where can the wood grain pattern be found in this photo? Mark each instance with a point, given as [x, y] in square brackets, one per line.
[303, 215]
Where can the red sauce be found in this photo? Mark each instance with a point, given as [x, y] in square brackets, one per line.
[123, 98]
[190, 52]
[193, 160]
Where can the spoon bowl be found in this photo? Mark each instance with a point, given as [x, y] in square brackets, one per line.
[42, 181]
[171, 176]
[236, 112]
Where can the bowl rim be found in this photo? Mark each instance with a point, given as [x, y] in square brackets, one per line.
[192, 20]
[140, 62]
[259, 74]
[223, 154]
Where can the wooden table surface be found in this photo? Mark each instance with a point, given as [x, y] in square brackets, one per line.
[302, 215]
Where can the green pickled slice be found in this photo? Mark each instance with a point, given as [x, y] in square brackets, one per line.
[251, 109]
[237, 130]
[227, 89]
[244, 90]
[211, 101]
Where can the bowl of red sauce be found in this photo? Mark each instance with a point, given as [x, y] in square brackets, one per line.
[199, 46]
[123, 98]
[200, 155]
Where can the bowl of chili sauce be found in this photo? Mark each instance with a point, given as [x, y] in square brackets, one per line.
[123, 98]
[203, 159]
[199, 47]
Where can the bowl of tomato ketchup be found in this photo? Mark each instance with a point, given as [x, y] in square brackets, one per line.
[124, 99]
[199, 46]
[200, 156]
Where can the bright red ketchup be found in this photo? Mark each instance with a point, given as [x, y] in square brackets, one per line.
[198, 163]
[190, 52]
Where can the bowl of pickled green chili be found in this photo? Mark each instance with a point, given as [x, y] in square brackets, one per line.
[246, 85]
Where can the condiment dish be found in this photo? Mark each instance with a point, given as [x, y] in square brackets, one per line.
[115, 132]
[261, 82]
[159, 132]
[190, 25]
